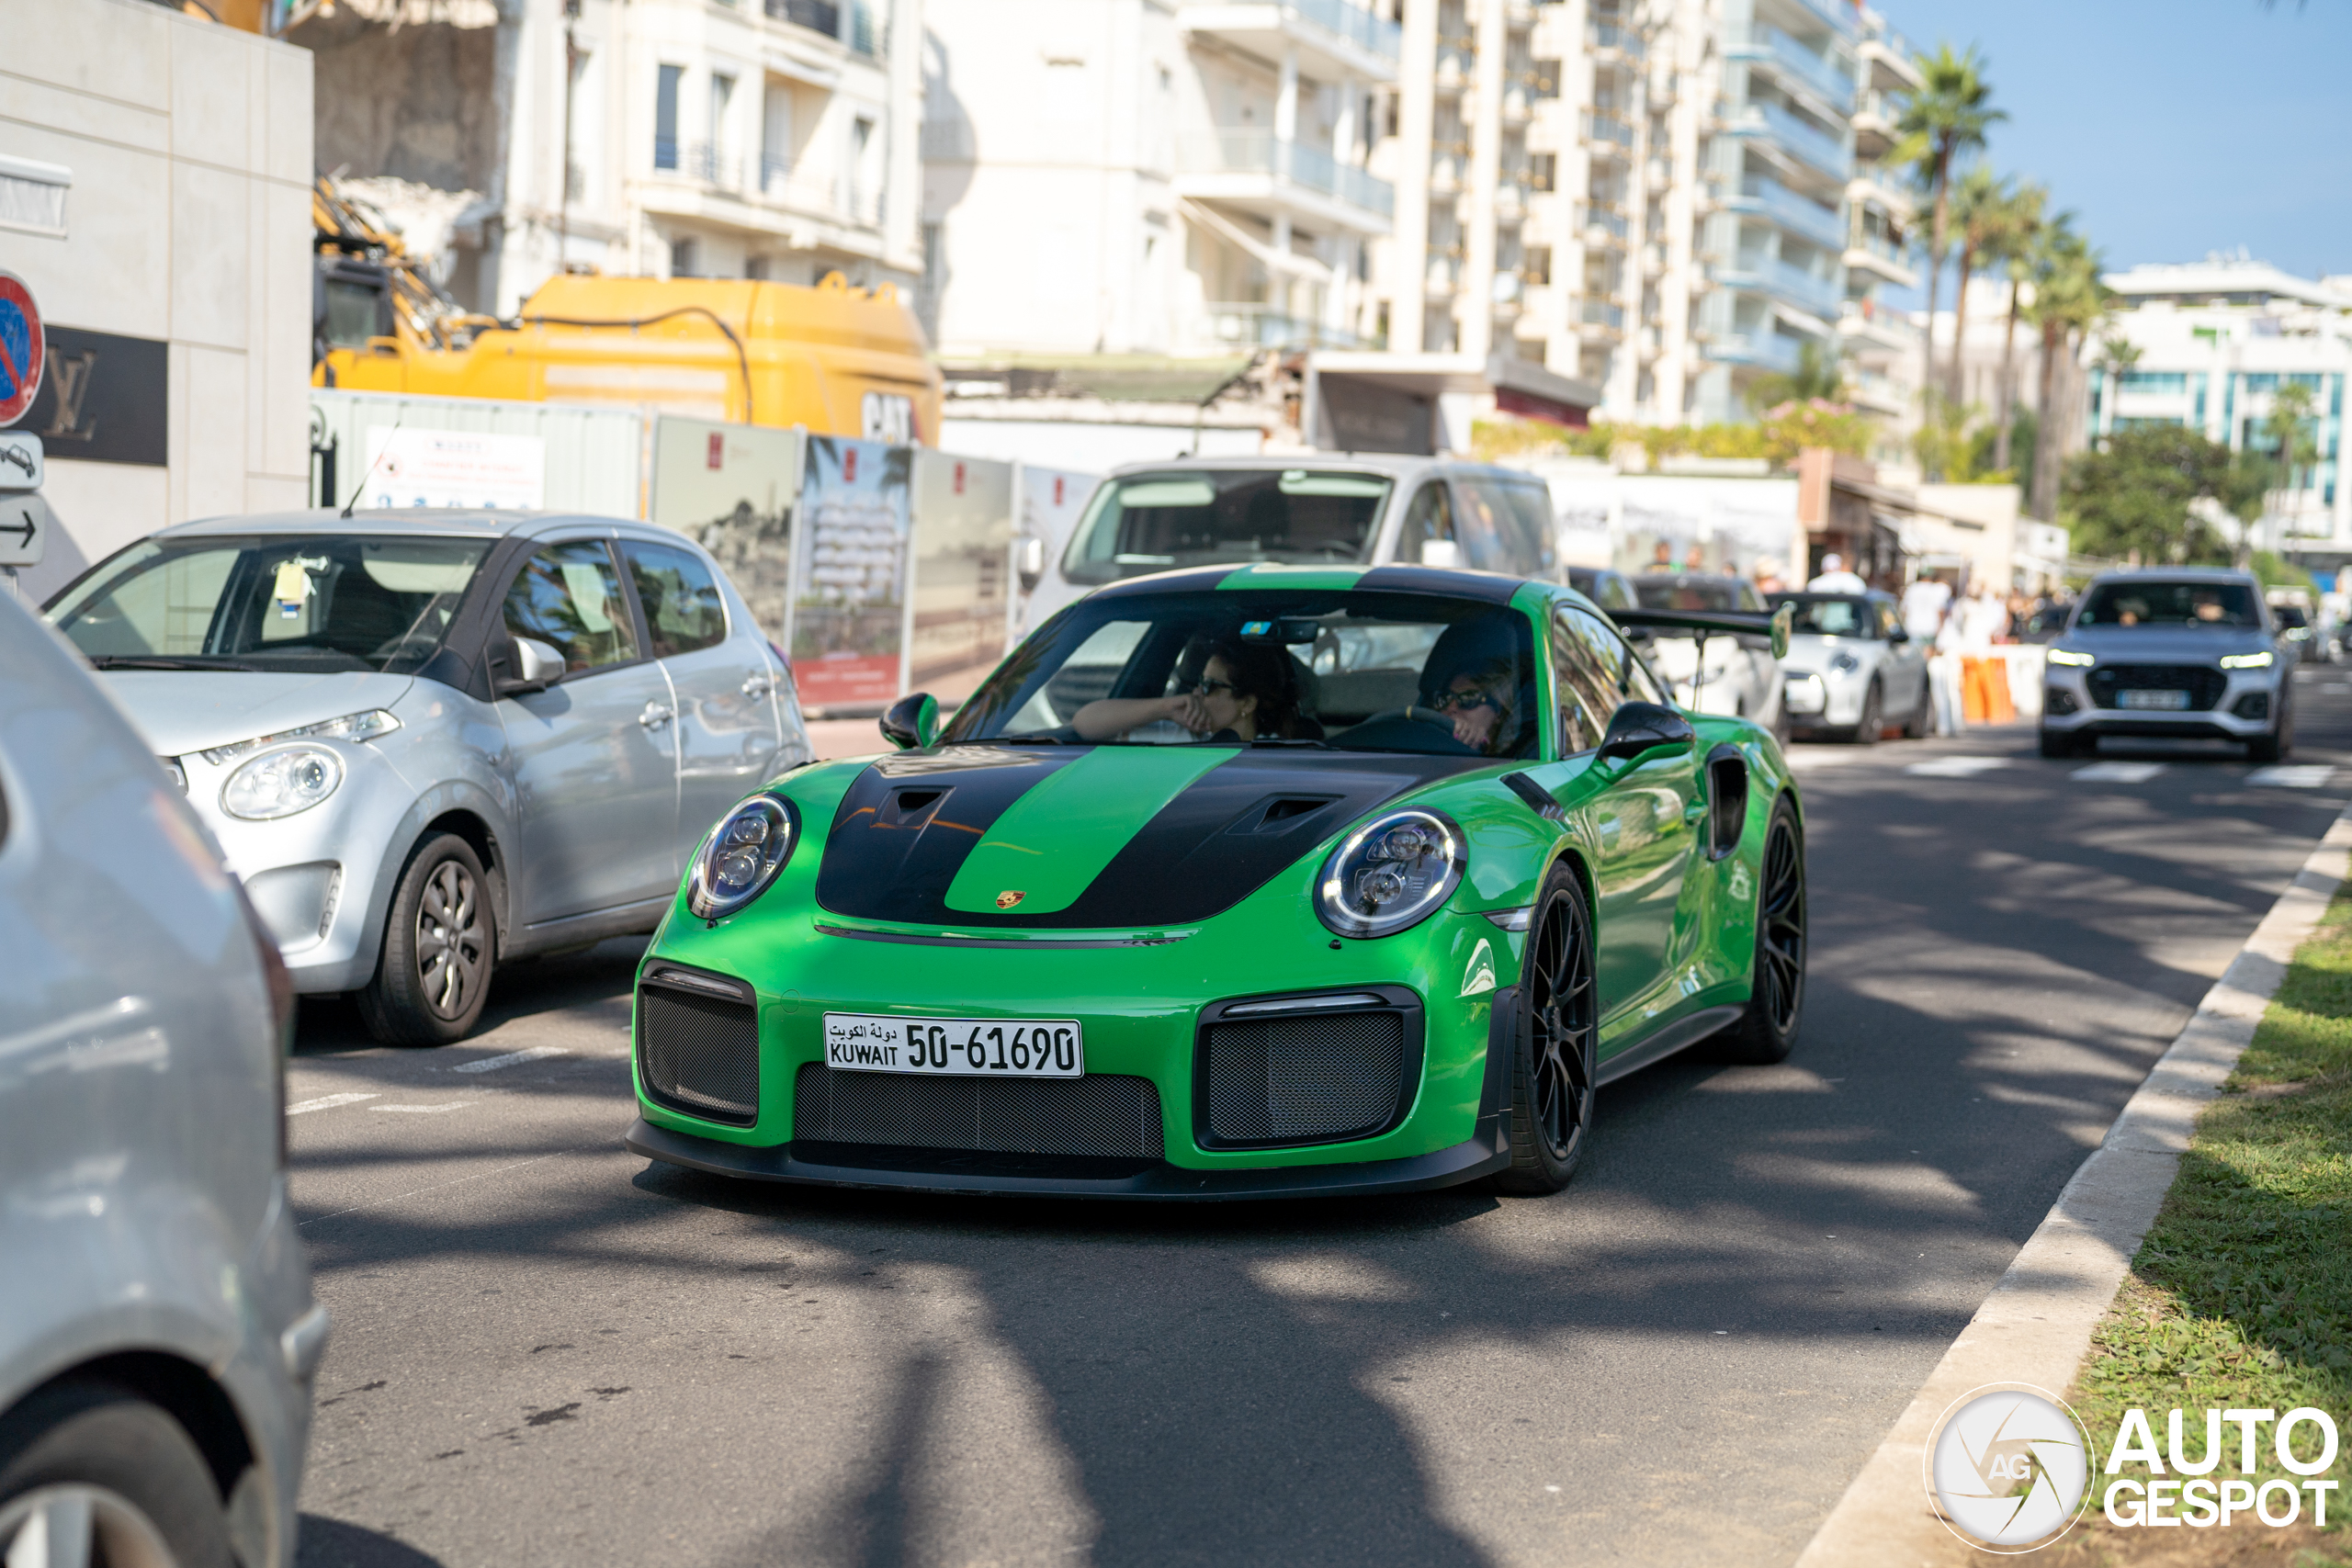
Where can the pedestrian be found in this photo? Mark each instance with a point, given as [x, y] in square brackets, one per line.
[1925, 603]
[1695, 557]
[1662, 557]
[1768, 576]
[1836, 578]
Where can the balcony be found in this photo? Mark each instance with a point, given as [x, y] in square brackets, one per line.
[1599, 320]
[760, 193]
[1332, 39]
[1763, 350]
[826, 17]
[1608, 222]
[1866, 326]
[1887, 65]
[1837, 14]
[1611, 44]
[1881, 257]
[1797, 67]
[1791, 285]
[1875, 118]
[1606, 134]
[1775, 203]
[698, 161]
[1247, 326]
[1777, 127]
[1260, 174]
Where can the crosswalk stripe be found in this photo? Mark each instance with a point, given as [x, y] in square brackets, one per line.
[326, 1103]
[511, 1058]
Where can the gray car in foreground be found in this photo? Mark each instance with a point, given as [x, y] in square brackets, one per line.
[432, 740]
[157, 1335]
[2183, 653]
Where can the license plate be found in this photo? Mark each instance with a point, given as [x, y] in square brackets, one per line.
[954, 1047]
[2171, 701]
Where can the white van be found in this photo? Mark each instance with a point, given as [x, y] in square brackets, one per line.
[1311, 509]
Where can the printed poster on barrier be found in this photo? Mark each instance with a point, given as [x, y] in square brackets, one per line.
[730, 488]
[963, 597]
[849, 608]
[454, 468]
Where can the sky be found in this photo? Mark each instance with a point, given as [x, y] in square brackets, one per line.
[2171, 128]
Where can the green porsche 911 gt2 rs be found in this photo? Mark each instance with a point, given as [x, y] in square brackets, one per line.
[1236, 883]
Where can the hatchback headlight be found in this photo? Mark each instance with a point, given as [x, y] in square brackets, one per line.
[1391, 875]
[350, 727]
[279, 783]
[2247, 660]
[2069, 656]
[743, 855]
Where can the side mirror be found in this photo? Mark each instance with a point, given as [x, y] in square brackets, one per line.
[912, 721]
[1896, 633]
[1784, 622]
[1441, 552]
[1029, 561]
[535, 665]
[1640, 728]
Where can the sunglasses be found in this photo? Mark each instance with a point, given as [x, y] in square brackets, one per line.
[1209, 688]
[1446, 702]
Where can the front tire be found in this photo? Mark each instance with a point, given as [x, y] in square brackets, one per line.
[2057, 745]
[91, 1465]
[2273, 747]
[1872, 724]
[1767, 1032]
[1554, 1057]
[440, 945]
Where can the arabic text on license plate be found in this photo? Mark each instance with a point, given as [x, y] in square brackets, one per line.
[954, 1047]
[2158, 699]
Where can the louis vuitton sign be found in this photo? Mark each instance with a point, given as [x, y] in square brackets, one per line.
[103, 400]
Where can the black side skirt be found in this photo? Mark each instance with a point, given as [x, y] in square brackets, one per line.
[918, 1170]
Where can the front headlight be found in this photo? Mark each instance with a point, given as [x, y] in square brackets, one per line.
[350, 727]
[2080, 660]
[1391, 875]
[2247, 660]
[742, 856]
[279, 783]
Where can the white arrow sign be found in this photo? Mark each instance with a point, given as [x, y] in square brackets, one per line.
[24, 525]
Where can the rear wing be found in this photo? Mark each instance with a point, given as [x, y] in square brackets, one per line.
[1754, 629]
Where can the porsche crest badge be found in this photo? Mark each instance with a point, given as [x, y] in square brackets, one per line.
[1009, 897]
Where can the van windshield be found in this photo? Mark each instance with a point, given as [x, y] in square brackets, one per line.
[1155, 522]
[281, 601]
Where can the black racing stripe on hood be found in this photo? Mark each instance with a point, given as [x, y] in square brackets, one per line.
[907, 823]
[1237, 825]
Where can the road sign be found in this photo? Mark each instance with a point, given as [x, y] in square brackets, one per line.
[23, 350]
[20, 460]
[26, 522]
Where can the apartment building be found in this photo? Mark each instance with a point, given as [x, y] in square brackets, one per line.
[1179, 178]
[772, 139]
[2218, 339]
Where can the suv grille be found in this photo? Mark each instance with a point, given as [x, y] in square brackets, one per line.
[2203, 683]
[698, 1053]
[1106, 1115]
[1307, 1076]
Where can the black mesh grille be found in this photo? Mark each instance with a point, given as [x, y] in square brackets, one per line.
[2203, 684]
[1103, 1114]
[699, 1054]
[1313, 1078]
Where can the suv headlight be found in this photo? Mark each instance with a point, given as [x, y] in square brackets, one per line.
[279, 783]
[743, 855]
[2069, 657]
[1391, 873]
[2247, 660]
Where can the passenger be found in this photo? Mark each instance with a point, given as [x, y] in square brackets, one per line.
[1474, 678]
[1244, 689]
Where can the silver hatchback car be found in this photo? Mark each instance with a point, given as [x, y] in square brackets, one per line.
[432, 740]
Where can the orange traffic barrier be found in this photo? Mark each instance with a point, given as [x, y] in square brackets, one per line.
[1985, 690]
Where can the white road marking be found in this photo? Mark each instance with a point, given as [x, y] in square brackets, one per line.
[2335, 688]
[2295, 776]
[426, 1109]
[511, 1058]
[326, 1103]
[2118, 772]
[1956, 767]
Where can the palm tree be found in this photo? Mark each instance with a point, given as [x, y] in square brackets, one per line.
[2118, 353]
[2290, 409]
[1978, 206]
[1943, 121]
[2013, 244]
[1820, 374]
[2068, 301]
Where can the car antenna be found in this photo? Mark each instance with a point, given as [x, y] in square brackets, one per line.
[359, 488]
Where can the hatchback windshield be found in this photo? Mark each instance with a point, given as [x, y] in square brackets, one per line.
[1695, 591]
[2170, 604]
[1829, 617]
[286, 601]
[1354, 672]
[1153, 522]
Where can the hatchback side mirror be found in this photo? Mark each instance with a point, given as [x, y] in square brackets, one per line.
[912, 721]
[1896, 634]
[1029, 561]
[535, 665]
[1640, 728]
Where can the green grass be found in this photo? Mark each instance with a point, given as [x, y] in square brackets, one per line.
[2242, 1295]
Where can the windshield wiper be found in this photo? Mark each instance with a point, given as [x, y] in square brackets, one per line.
[169, 661]
[1290, 740]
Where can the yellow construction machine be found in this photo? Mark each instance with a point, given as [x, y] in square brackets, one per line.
[841, 361]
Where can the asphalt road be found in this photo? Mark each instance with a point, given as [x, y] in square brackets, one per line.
[547, 1352]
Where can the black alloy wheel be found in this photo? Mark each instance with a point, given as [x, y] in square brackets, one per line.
[1768, 1030]
[1557, 1059]
[1872, 723]
[440, 942]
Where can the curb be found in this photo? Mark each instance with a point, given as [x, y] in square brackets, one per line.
[2036, 1326]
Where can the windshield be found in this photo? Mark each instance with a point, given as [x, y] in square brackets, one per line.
[1829, 617]
[1152, 522]
[1354, 672]
[1695, 593]
[296, 602]
[2170, 604]
[2292, 616]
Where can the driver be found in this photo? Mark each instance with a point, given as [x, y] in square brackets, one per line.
[1242, 691]
[1472, 678]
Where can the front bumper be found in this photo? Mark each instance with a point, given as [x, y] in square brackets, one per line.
[2068, 708]
[933, 1170]
[1827, 698]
